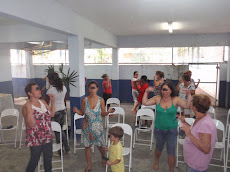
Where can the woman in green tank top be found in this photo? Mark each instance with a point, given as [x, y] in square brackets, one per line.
[165, 121]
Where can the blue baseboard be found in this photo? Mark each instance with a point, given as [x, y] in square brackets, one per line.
[7, 87]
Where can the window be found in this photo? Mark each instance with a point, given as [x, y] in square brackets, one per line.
[198, 54]
[17, 57]
[50, 57]
[98, 56]
[145, 55]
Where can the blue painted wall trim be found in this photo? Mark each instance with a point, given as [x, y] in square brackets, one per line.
[7, 87]
[75, 102]
[222, 94]
[227, 95]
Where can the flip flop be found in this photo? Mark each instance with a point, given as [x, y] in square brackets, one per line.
[87, 170]
[155, 167]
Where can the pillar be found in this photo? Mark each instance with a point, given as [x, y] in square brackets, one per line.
[227, 98]
[115, 73]
[76, 62]
[6, 85]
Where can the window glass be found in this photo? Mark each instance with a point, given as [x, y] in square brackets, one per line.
[145, 55]
[103, 55]
[50, 57]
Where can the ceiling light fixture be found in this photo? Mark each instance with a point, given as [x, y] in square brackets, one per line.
[170, 27]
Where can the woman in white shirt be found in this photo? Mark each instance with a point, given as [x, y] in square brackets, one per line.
[59, 91]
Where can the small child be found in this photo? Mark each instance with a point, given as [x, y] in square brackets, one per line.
[116, 160]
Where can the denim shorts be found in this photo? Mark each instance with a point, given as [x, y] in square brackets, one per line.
[189, 169]
[168, 136]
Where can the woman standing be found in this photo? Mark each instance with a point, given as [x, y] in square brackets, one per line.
[200, 137]
[39, 138]
[93, 107]
[135, 84]
[59, 91]
[107, 87]
[158, 81]
[165, 122]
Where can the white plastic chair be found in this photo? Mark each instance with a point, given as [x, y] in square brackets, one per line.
[211, 110]
[65, 127]
[114, 101]
[228, 139]
[7, 113]
[23, 128]
[56, 127]
[144, 114]
[77, 131]
[220, 144]
[153, 107]
[119, 111]
[126, 150]
[180, 141]
[227, 125]
[179, 110]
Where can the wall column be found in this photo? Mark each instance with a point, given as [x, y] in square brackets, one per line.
[115, 73]
[6, 85]
[227, 100]
[76, 62]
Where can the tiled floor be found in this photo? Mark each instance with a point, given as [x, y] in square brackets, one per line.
[15, 160]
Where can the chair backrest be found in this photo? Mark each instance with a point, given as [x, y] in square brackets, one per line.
[148, 107]
[77, 116]
[127, 128]
[56, 126]
[118, 111]
[10, 112]
[212, 110]
[145, 112]
[190, 121]
[220, 126]
[113, 101]
[179, 110]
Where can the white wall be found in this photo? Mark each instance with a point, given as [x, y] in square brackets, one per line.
[126, 71]
[5, 65]
[173, 40]
[18, 71]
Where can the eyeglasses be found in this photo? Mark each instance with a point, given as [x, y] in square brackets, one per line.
[37, 88]
[164, 89]
[92, 88]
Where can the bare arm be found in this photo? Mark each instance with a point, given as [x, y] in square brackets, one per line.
[145, 100]
[53, 105]
[27, 113]
[203, 143]
[178, 84]
[103, 112]
[196, 85]
[114, 162]
[107, 83]
[82, 111]
[182, 103]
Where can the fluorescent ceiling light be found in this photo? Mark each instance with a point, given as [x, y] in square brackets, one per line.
[170, 27]
[37, 43]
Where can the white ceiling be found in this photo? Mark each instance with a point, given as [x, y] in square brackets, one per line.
[142, 17]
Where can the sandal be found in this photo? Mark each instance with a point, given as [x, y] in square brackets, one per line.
[87, 170]
[155, 166]
[103, 163]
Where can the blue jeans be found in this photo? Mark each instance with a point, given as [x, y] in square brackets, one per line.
[168, 136]
[60, 118]
[35, 153]
[189, 169]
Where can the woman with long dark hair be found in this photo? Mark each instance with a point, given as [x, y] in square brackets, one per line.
[165, 122]
[59, 91]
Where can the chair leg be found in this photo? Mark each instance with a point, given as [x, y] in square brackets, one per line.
[177, 152]
[134, 138]
[15, 142]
